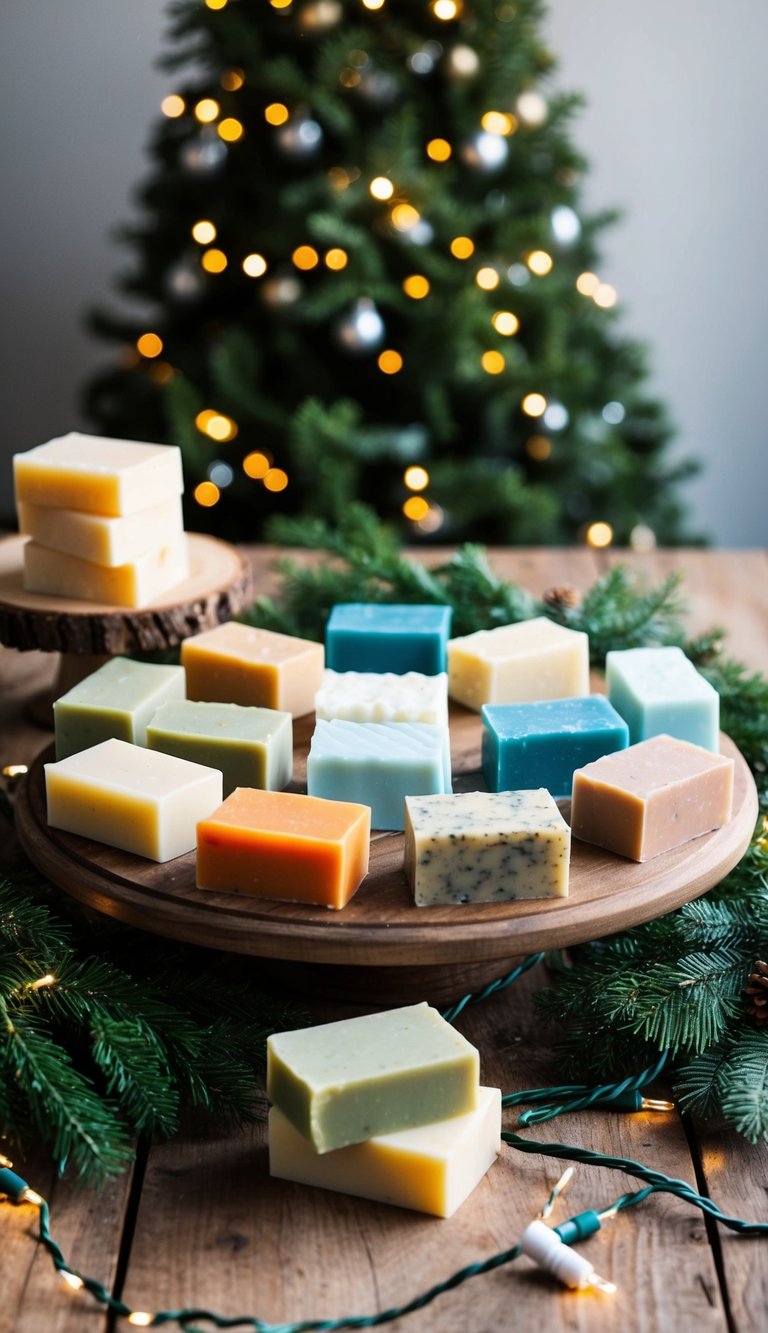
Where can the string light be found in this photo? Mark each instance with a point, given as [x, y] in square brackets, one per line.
[416, 286]
[416, 478]
[340, 178]
[48, 980]
[280, 4]
[276, 113]
[462, 247]
[71, 1279]
[390, 361]
[207, 494]
[487, 278]
[173, 106]
[439, 150]
[232, 80]
[214, 261]
[539, 262]
[206, 110]
[230, 130]
[142, 1318]
[532, 108]
[256, 465]
[445, 10]
[216, 425]
[381, 187]
[534, 404]
[276, 479]
[349, 78]
[336, 259]
[405, 216]
[605, 296]
[505, 323]
[149, 345]
[305, 257]
[255, 265]
[587, 284]
[499, 122]
[493, 362]
[538, 447]
[599, 534]
[415, 508]
[204, 232]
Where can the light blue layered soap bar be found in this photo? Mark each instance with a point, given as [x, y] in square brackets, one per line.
[364, 636]
[250, 746]
[115, 702]
[379, 764]
[659, 691]
[541, 744]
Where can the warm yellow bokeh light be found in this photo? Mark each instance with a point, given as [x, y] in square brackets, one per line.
[538, 447]
[445, 10]
[390, 361]
[381, 187]
[305, 257]
[373, 4]
[202, 418]
[439, 150]
[487, 278]
[605, 296]
[256, 465]
[416, 286]
[276, 113]
[149, 345]
[230, 130]
[173, 106]
[462, 247]
[599, 534]
[405, 216]
[275, 479]
[204, 232]
[336, 259]
[255, 265]
[416, 478]
[415, 508]
[534, 404]
[218, 427]
[493, 362]
[498, 122]
[206, 110]
[232, 79]
[505, 323]
[216, 4]
[539, 262]
[280, 4]
[214, 261]
[587, 283]
[207, 494]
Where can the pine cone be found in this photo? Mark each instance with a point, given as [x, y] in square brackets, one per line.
[562, 598]
[757, 991]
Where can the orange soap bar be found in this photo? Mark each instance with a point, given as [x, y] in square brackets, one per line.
[651, 797]
[236, 664]
[277, 844]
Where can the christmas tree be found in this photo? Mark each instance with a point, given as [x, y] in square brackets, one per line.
[370, 277]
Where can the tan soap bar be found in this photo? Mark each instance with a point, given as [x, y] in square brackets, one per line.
[99, 475]
[432, 1168]
[137, 583]
[533, 659]
[237, 664]
[103, 541]
[651, 797]
[344, 1082]
[136, 799]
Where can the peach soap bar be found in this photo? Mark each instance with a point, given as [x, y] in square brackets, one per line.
[283, 845]
[239, 665]
[102, 541]
[97, 474]
[433, 1168]
[531, 660]
[135, 584]
[118, 700]
[345, 1082]
[651, 797]
[128, 797]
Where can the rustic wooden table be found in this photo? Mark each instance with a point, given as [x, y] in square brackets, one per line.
[199, 1221]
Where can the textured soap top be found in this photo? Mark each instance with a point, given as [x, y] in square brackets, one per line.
[377, 742]
[665, 675]
[653, 765]
[123, 684]
[484, 814]
[383, 696]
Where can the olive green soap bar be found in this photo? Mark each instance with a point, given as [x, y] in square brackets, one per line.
[345, 1082]
[115, 702]
[252, 747]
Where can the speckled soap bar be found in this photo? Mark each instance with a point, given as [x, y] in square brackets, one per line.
[540, 744]
[486, 847]
[658, 690]
[363, 636]
[379, 763]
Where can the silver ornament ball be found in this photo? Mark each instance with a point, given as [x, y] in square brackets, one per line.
[362, 328]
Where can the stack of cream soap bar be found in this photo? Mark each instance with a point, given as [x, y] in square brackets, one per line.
[387, 1107]
[104, 518]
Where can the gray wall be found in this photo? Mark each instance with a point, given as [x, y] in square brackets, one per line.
[674, 131]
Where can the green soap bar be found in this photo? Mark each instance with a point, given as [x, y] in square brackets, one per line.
[115, 702]
[253, 747]
[345, 1082]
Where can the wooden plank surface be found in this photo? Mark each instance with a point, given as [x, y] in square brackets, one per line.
[213, 1228]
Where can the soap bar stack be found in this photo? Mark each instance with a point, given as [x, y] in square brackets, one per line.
[104, 518]
[387, 1107]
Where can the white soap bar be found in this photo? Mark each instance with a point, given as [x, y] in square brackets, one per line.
[658, 691]
[139, 800]
[135, 584]
[533, 659]
[432, 1169]
[486, 847]
[99, 475]
[373, 696]
[104, 541]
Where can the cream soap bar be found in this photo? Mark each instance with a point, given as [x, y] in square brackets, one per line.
[253, 747]
[485, 847]
[118, 701]
[433, 1168]
[103, 541]
[240, 665]
[658, 690]
[136, 584]
[128, 797]
[98, 475]
[652, 797]
[344, 1082]
[533, 659]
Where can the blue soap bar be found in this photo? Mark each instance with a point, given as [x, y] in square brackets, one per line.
[541, 744]
[658, 691]
[364, 636]
[378, 764]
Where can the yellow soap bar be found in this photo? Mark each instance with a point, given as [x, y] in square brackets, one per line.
[139, 800]
[239, 665]
[283, 845]
[531, 660]
[432, 1168]
[99, 475]
[134, 584]
[103, 541]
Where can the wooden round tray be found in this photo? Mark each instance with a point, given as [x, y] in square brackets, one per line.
[381, 945]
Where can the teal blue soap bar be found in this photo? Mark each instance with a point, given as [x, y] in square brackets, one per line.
[364, 636]
[378, 764]
[251, 747]
[542, 744]
[117, 702]
[658, 691]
